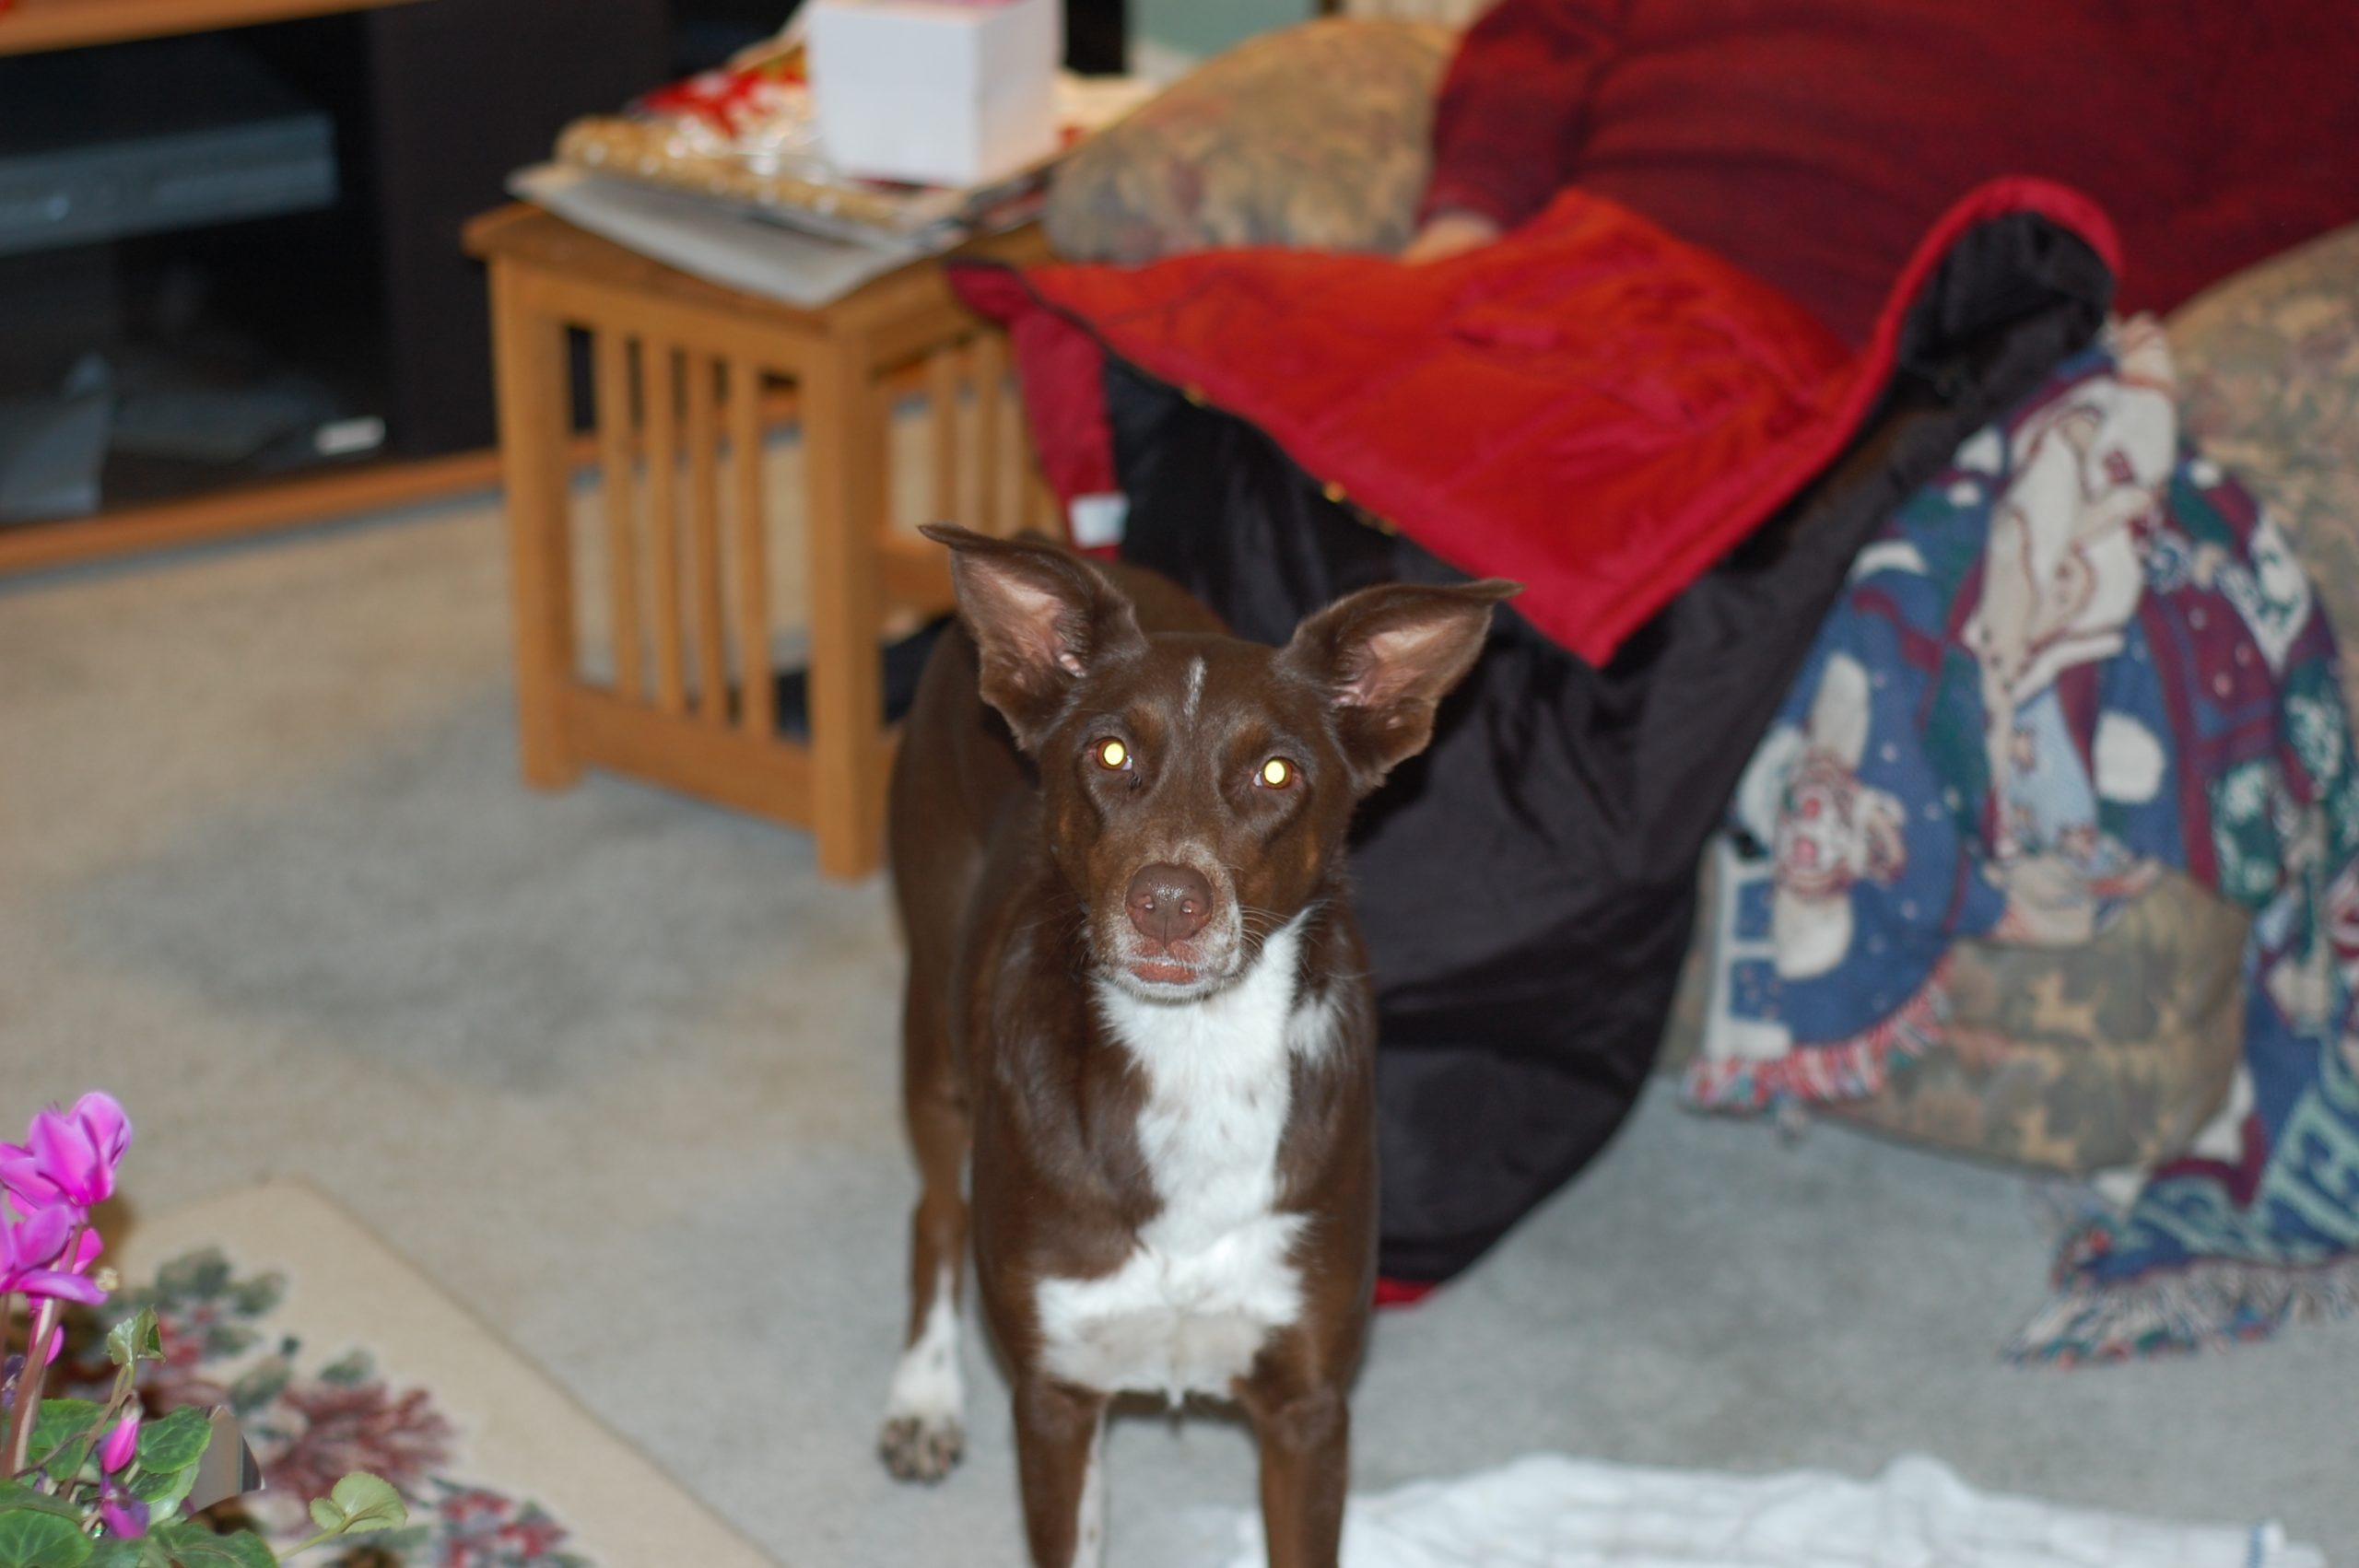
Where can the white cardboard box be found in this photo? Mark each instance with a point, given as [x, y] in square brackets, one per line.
[937, 92]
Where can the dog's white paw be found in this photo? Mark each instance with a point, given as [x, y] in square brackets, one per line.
[920, 1447]
[925, 1433]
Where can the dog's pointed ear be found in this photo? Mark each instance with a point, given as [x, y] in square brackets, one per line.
[1042, 618]
[1385, 657]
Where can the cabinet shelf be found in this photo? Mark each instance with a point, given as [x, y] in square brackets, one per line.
[29, 27]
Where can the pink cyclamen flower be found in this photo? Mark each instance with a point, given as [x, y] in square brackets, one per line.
[86, 1252]
[68, 1156]
[125, 1517]
[29, 1250]
[122, 1443]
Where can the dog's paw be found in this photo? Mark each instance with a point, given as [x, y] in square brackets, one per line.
[922, 1447]
[923, 1436]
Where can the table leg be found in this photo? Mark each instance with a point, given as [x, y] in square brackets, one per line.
[535, 424]
[844, 455]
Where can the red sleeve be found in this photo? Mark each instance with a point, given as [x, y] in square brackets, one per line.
[1507, 124]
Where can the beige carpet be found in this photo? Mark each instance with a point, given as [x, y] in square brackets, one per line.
[615, 1071]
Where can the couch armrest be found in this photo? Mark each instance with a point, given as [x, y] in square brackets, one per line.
[1314, 136]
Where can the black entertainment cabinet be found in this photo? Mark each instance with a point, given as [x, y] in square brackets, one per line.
[255, 253]
[230, 233]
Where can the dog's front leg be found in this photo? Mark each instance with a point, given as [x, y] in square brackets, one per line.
[925, 1414]
[1304, 1432]
[1059, 1433]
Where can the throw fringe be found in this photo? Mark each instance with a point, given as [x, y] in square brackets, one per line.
[2204, 1306]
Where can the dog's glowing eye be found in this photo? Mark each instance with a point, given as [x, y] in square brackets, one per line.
[1278, 773]
[1112, 754]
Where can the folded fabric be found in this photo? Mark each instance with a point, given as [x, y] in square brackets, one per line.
[2079, 655]
[1550, 1512]
[1591, 407]
[1526, 886]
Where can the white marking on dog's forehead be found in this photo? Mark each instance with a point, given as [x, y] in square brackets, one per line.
[1195, 685]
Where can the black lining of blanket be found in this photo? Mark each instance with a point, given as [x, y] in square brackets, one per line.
[1527, 886]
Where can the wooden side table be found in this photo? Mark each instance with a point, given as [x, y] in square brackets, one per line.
[685, 374]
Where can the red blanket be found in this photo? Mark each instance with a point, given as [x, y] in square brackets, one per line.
[1592, 408]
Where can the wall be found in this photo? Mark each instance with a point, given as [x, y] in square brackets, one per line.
[1201, 27]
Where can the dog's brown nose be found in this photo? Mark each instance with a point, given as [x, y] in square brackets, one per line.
[1169, 904]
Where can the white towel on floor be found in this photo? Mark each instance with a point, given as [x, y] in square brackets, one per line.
[1549, 1512]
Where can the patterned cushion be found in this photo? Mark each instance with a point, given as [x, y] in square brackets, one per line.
[2269, 379]
[2071, 1059]
[2085, 1058]
[1313, 135]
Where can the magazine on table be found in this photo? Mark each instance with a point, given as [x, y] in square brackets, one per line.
[745, 136]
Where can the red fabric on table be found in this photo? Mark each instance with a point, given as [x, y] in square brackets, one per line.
[1591, 407]
[1812, 142]
[1059, 373]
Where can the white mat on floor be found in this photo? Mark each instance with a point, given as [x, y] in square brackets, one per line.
[1548, 1512]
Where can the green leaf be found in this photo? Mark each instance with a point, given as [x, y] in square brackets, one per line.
[61, 1419]
[31, 1538]
[193, 1546]
[135, 1339]
[408, 1545]
[368, 1504]
[327, 1515]
[68, 1429]
[243, 1549]
[177, 1441]
[116, 1552]
[161, 1489]
[15, 1496]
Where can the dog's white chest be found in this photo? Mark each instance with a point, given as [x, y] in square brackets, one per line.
[1212, 1276]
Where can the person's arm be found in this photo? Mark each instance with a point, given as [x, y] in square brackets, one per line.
[1447, 233]
[1509, 114]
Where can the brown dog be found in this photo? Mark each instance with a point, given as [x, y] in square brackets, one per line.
[1136, 995]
